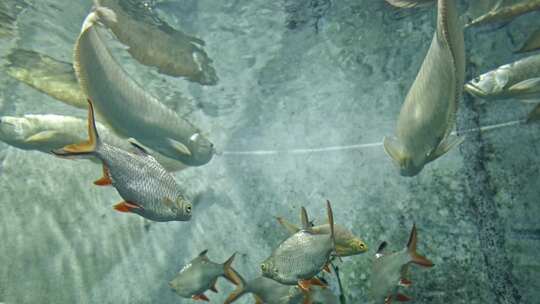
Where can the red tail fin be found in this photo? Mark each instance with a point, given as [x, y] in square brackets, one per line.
[415, 257]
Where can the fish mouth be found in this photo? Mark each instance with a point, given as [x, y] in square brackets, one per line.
[475, 90]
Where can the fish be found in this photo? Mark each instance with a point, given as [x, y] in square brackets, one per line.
[46, 74]
[128, 108]
[146, 187]
[200, 275]
[532, 43]
[519, 79]
[266, 291]
[389, 270]
[300, 257]
[506, 13]
[410, 3]
[171, 51]
[427, 116]
[47, 132]
[347, 244]
[534, 115]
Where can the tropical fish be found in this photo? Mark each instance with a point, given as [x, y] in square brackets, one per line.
[299, 258]
[506, 13]
[532, 43]
[47, 132]
[389, 270]
[347, 243]
[173, 52]
[126, 106]
[410, 3]
[47, 75]
[201, 274]
[520, 79]
[427, 116]
[146, 187]
[266, 291]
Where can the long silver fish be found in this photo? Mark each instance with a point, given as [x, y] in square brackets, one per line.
[389, 270]
[47, 75]
[126, 106]
[266, 291]
[147, 188]
[427, 116]
[48, 132]
[519, 79]
[347, 244]
[200, 275]
[410, 3]
[505, 13]
[173, 52]
[532, 43]
[299, 258]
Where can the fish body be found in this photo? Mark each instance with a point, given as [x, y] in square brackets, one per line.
[127, 107]
[173, 52]
[389, 269]
[410, 3]
[532, 43]
[266, 291]
[506, 13]
[427, 116]
[200, 275]
[146, 187]
[47, 75]
[520, 79]
[301, 256]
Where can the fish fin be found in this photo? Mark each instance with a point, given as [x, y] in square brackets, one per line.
[106, 14]
[405, 282]
[380, 251]
[444, 146]
[87, 147]
[411, 247]
[304, 218]
[326, 268]
[229, 273]
[168, 202]
[531, 85]
[289, 226]
[180, 147]
[213, 288]
[394, 149]
[306, 284]
[42, 137]
[240, 290]
[258, 299]
[402, 298]
[140, 149]
[534, 114]
[203, 253]
[331, 224]
[106, 179]
[126, 206]
[200, 297]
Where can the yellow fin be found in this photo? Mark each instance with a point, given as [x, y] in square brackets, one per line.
[42, 137]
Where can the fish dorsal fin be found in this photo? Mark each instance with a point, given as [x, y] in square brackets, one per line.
[380, 251]
[304, 218]
[140, 149]
[331, 223]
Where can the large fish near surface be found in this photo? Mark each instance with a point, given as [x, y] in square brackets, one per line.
[126, 106]
[47, 75]
[427, 116]
[347, 244]
[173, 52]
[267, 291]
[299, 258]
[389, 271]
[146, 187]
[200, 275]
[519, 79]
[532, 43]
[48, 132]
[506, 13]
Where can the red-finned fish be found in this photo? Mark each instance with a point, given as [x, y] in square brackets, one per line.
[146, 187]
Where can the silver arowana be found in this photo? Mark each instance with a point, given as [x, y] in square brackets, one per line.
[427, 116]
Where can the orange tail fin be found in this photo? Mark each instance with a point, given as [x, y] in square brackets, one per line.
[415, 257]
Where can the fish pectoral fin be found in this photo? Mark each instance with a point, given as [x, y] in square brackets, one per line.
[180, 147]
[126, 206]
[306, 284]
[402, 298]
[394, 149]
[200, 297]
[42, 137]
[289, 226]
[213, 287]
[445, 146]
[531, 85]
[140, 150]
[106, 179]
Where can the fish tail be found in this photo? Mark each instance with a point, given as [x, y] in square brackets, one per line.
[87, 147]
[239, 291]
[229, 273]
[331, 223]
[411, 248]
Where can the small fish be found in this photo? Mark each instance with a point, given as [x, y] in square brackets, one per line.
[47, 132]
[389, 270]
[427, 116]
[532, 43]
[147, 188]
[47, 75]
[347, 243]
[410, 3]
[520, 79]
[173, 52]
[200, 275]
[506, 13]
[126, 106]
[266, 291]
[299, 258]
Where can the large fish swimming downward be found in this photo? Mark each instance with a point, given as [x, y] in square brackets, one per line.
[427, 117]
[146, 187]
[126, 106]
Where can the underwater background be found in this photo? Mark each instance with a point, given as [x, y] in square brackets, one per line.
[293, 75]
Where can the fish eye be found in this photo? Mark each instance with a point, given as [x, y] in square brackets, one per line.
[263, 267]
[188, 208]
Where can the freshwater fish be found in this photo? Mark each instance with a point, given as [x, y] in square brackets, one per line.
[146, 187]
[347, 244]
[200, 275]
[427, 116]
[299, 258]
[171, 51]
[126, 106]
[410, 3]
[47, 75]
[519, 79]
[266, 291]
[506, 13]
[389, 270]
[532, 43]
[47, 132]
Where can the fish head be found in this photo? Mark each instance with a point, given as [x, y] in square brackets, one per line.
[351, 247]
[489, 85]
[181, 208]
[403, 158]
[15, 130]
[269, 269]
[200, 149]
